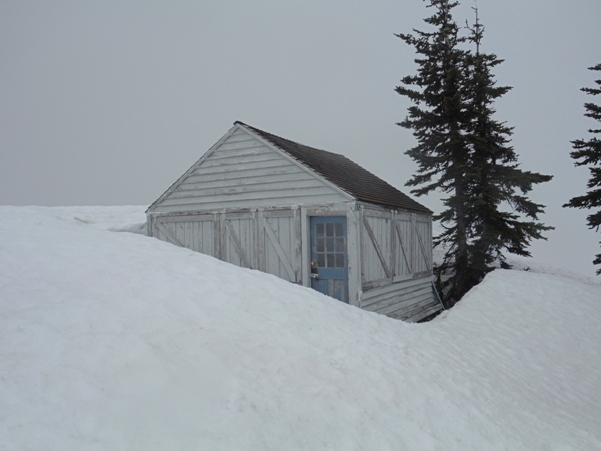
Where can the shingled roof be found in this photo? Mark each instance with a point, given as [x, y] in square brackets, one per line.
[342, 172]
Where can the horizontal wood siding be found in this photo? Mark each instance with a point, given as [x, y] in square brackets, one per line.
[410, 301]
[243, 172]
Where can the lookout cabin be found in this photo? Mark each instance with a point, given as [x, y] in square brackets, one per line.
[311, 217]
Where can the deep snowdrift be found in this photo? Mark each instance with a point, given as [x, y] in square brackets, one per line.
[116, 341]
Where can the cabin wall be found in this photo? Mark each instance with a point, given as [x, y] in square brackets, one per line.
[269, 241]
[395, 245]
[396, 264]
[411, 300]
[277, 241]
[244, 172]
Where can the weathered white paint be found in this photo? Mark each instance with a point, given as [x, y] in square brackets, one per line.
[410, 301]
[193, 232]
[248, 203]
[395, 246]
[246, 172]
[277, 241]
[353, 231]
[279, 233]
[264, 240]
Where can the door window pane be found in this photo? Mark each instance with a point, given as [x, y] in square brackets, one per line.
[319, 229]
[320, 244]
[331, 260]
[339, 229]
[329, 229]
[321, 260]
[329, 244]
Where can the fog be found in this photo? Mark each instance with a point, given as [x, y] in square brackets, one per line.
[108, 103]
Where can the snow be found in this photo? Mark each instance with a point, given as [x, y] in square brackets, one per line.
[117, 341]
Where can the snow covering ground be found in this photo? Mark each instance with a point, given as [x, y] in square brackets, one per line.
[117, 341]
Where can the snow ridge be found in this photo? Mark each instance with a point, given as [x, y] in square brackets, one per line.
[117, 341]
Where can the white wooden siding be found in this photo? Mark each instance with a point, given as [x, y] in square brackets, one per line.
[394, 246]
[193, 232]
[238, 240]
[423, 244]
[248, 203]
[281, 234]
[411, 300]
[405, 250]
[265, 240]
[377, 247]
[243, 172]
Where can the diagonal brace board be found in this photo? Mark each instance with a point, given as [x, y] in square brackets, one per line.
[237, 244]
[421, 245]
[398, 231]
[370, 232]
[170, 236]
[278, 248]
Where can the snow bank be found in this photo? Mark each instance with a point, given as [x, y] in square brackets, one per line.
[116, 341]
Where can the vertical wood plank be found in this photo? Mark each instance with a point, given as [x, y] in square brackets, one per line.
[401, 231]
[255, 225]
[285, 263]
[393, 265]
[413, 245]
[305, 248]
[374, 241]
[235, 238]
[298, 253]
[354, 263]
[362, 243]
[261, 242]
[221, 235]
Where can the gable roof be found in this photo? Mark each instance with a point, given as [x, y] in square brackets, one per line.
[342, 172]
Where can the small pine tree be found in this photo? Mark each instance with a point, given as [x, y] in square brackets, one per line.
[495, 180]
[589, 153]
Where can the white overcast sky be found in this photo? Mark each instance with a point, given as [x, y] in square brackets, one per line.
[109, 102]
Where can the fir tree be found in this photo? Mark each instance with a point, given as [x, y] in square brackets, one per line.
[589, 153]
[438, 120]
[464, 153]
[496, 184]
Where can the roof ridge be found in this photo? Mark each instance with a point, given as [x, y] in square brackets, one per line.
[289, 140]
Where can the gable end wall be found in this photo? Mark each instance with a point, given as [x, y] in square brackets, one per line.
[244, 172]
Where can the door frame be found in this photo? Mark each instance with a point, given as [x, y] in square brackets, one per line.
[353, 213]
[336, 273]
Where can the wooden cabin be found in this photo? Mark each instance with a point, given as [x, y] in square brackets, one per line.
[309, 216]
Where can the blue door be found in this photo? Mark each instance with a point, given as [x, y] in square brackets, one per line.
[329, 260]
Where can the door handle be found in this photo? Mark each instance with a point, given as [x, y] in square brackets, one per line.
[314, 275]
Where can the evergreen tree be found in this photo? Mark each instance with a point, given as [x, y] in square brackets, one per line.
[438, 119]
[464, 153]
[495, 180]
[589, 153]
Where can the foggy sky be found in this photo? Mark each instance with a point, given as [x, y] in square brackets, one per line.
[108, 103]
